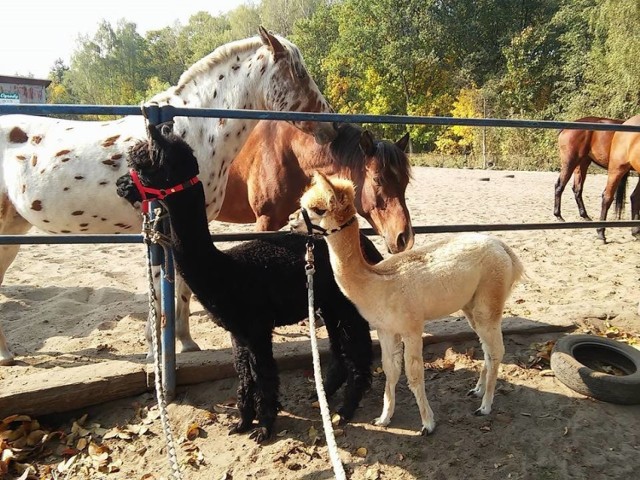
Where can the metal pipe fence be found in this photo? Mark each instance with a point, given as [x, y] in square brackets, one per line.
[157, 114]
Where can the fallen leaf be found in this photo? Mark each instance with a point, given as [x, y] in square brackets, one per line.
[361, 452]
[193, 431]
[336, 419]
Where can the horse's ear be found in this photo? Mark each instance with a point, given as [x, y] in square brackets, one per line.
[403, 142]
[367, 144]
[273, 43]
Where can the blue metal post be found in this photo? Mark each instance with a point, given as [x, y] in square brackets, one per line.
[167, 345]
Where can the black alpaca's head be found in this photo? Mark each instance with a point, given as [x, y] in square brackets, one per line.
[162, 161]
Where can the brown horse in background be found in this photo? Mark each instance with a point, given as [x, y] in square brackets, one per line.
[578, 148]
[624, 155]
[275, 166]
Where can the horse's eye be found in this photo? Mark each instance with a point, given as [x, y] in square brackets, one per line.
[318, 211]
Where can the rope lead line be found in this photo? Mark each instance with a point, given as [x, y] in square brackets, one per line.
[338, 468]
[149, 232]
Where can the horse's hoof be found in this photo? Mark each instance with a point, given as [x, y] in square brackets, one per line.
[7, 362]
[559, 218]
[188, 346]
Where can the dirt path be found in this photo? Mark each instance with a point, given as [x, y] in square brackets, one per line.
[69, 305]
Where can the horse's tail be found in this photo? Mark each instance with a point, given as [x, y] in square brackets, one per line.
[621, 195]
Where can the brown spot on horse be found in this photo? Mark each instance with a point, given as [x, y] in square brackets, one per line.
[36, 205]
[17, 135]
[109, 142]
[77, 212]
[62, 152]
[36, 139]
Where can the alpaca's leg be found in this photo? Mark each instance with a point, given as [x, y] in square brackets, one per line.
[246, 387]
[414, 368]
[183, 335]
[352, 355]
[490, 335]
[391, 348]
[267, 384]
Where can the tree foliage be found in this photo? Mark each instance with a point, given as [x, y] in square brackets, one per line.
[546, 59]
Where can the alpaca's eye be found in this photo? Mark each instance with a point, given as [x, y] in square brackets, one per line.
[318, 211]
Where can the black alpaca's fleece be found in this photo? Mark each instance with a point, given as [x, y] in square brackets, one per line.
[258, 285]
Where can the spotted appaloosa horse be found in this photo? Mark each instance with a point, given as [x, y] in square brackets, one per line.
[578, 148]
[60, 175]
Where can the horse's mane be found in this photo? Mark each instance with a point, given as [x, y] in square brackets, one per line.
[220, 55]
[346, 150]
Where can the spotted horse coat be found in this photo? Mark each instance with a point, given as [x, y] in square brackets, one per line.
[59, 175]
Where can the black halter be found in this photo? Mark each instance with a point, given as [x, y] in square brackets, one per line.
[317, 230]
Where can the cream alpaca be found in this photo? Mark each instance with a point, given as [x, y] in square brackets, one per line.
[469, 272]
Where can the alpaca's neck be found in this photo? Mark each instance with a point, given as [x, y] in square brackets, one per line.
[347, 260]
[197, 259]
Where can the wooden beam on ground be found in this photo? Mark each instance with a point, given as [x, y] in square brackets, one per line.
[65, 389]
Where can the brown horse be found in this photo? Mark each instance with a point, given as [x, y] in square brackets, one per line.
[578, 148]
[275, 166]
[624, 155]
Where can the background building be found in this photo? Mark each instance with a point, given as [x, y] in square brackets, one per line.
[23, 89]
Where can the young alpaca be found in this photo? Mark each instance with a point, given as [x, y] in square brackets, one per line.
[253, 287]
[470, 272]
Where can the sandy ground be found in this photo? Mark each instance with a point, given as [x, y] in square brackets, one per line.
[63, 306]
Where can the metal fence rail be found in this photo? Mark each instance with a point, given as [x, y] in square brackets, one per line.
[157, 114]
[167, 112]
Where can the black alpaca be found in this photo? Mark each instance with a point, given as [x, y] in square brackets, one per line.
[253, 287]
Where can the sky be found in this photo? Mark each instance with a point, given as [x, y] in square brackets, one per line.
[34, 33]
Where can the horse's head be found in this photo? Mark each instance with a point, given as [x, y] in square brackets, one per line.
[162, 161]
[289, 87]
[381, 191]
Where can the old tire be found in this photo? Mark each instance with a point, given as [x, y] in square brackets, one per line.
[578, 360]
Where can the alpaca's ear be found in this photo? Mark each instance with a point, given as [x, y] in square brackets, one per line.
[322, 181]
[403, 142]
[367, 143]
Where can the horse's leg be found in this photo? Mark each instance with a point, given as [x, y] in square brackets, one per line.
[578, 184]
[568, 164]
[635, 209]
[183, 334]
[182, 297]
[11, 223]
[613, 179]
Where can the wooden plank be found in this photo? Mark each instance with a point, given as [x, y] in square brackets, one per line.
[65, 389]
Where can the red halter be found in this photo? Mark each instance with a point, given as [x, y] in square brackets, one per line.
[156, 192]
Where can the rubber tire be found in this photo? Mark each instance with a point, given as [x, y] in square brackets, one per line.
[624, 389]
